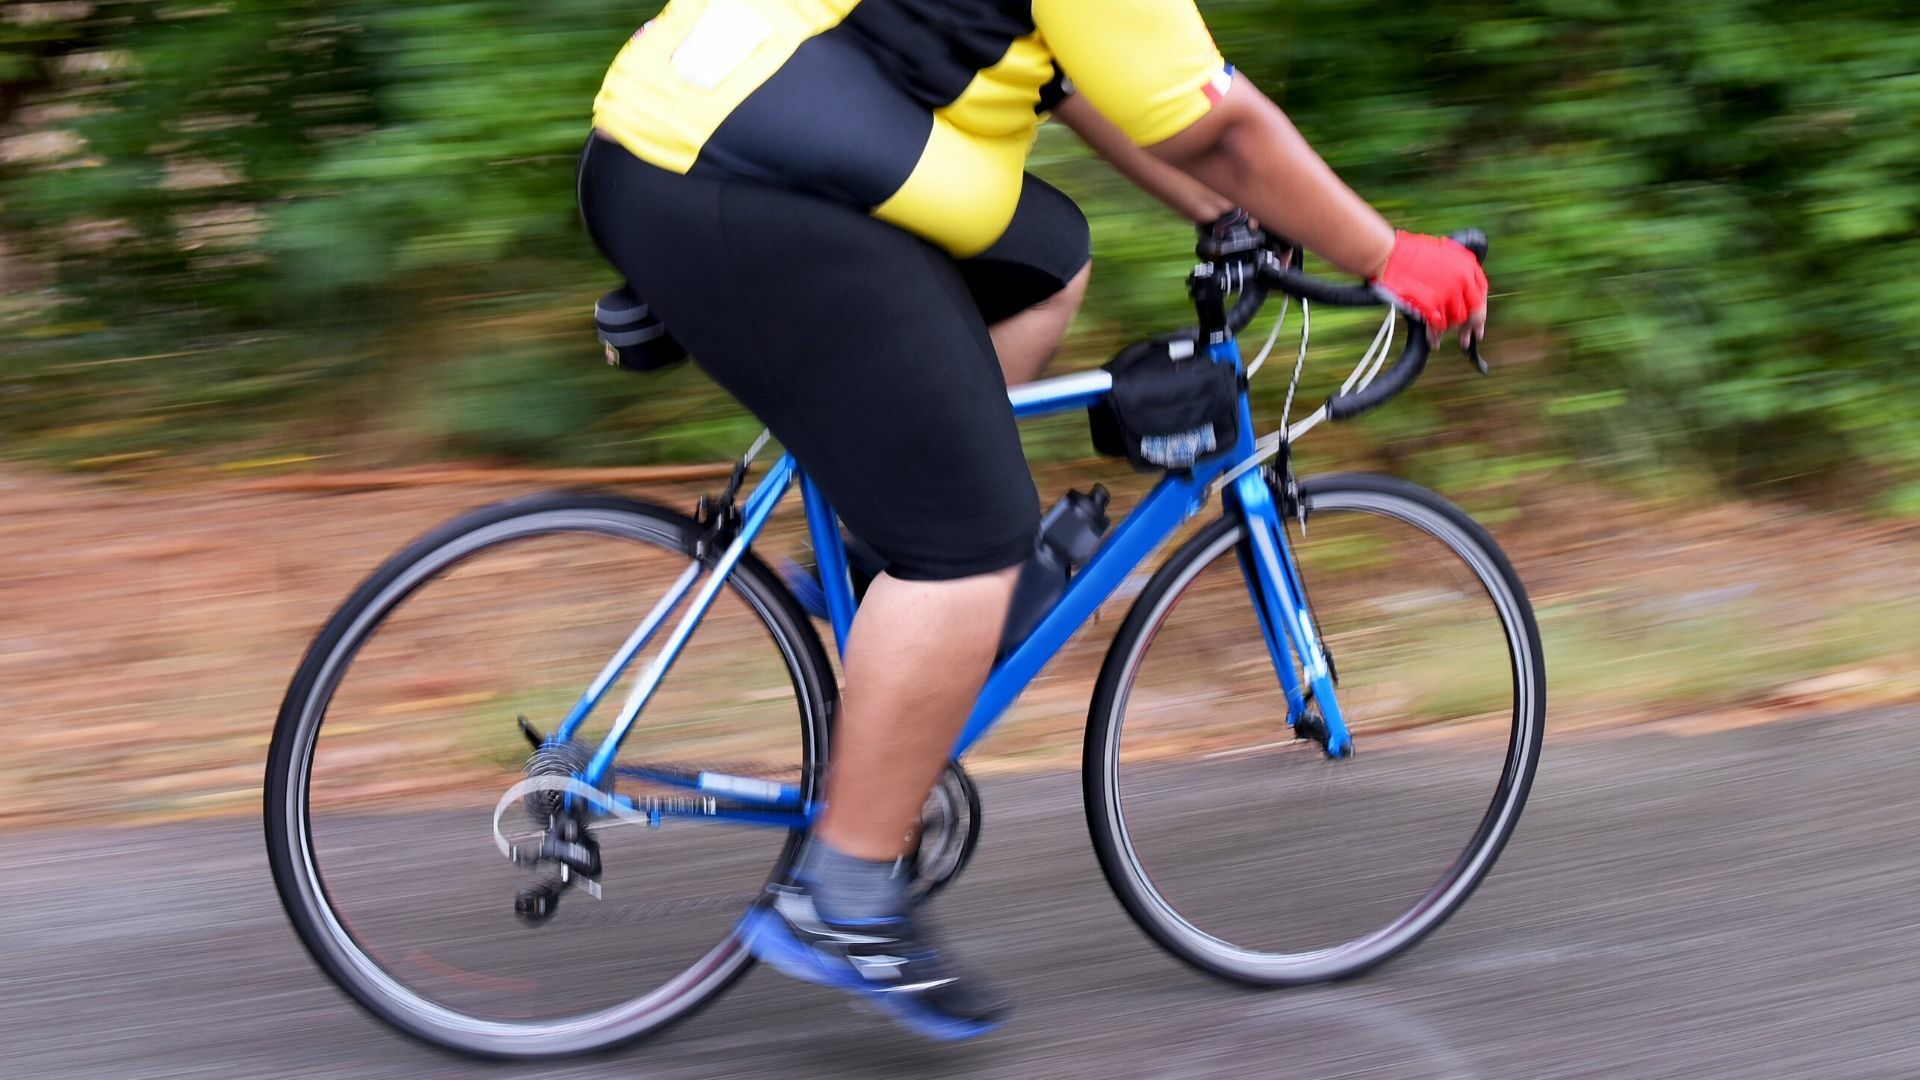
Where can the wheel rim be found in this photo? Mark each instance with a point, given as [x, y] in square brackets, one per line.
[368, 971]
[1169, 918]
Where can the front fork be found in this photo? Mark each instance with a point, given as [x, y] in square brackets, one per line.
[1286, 622]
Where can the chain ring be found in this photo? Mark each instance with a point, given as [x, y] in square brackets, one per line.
[949, 830]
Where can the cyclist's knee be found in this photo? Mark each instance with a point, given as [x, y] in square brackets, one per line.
[1026, 342]
[1074, 291]
[1066, 301]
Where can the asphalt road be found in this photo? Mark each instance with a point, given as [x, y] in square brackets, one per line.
[1735, 904]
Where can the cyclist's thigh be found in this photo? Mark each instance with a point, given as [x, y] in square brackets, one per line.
[855, 342]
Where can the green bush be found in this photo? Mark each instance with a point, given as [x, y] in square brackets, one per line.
[324, 214]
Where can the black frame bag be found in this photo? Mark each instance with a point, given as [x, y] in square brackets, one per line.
[1171, 406]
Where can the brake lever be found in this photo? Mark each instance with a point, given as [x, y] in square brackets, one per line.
[1475, 241]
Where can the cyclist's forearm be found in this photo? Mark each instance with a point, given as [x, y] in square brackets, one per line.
[1249, 151]
[1183, 194]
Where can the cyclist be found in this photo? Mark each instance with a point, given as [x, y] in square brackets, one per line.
[825, 201]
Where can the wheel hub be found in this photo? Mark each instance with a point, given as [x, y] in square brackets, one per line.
[1313, 728]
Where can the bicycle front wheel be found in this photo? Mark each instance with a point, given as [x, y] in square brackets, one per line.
[398, 742]
[1246, 852]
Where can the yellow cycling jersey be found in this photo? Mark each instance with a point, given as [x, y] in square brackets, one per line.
[921, 111]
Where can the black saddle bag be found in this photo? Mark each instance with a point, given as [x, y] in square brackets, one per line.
[1171, 406]
[633, 336]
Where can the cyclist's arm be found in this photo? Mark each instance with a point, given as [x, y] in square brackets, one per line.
[1151, 68]
[1247, 149]
[1182, 193]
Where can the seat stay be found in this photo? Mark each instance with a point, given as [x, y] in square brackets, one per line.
[629, 649]
[759, 506]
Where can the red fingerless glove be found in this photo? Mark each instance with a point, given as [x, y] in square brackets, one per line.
[1433, 277]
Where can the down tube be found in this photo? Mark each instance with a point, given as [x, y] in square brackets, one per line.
[1171, 502]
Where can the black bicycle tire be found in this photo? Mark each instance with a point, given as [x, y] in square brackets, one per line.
[1099, 793]
[751, 579]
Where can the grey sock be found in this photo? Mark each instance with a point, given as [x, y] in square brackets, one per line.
[846, 887]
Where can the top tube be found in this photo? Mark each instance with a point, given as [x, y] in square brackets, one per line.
[1061, 393]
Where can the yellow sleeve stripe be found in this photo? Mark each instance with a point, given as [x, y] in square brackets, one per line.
[1147, 65]
[1175, 110]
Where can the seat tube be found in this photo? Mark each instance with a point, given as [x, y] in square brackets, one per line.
[830, 559]
[1279, 602]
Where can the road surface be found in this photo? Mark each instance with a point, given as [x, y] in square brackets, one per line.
[1740, 903]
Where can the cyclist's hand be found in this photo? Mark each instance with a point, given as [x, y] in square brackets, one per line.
[1437, 280]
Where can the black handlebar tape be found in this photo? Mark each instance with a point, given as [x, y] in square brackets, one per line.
[1473, 240]
[1295, 283]
[1413, 360]
[1246, 307]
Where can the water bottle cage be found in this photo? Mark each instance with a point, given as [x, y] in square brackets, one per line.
[1070, 533]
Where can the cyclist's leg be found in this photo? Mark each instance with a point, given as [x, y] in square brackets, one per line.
[915, 660]
[1029, 283]
[862, 349]
[1027, 286]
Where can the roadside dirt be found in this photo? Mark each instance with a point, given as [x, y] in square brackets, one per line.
[147, 633]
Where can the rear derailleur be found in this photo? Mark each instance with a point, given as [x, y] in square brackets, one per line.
[567, 854]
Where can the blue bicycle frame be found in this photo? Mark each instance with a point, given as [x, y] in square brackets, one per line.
[1272, 580]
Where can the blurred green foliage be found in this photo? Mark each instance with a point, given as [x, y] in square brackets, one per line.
[348, 228]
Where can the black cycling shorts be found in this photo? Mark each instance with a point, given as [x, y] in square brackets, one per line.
[862, 347]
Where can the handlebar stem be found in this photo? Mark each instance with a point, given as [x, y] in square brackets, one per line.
[1207, 285]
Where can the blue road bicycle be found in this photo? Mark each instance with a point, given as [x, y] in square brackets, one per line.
[1278, 792]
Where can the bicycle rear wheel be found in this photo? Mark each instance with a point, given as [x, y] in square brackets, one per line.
[1247, 853]
[398, 738]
